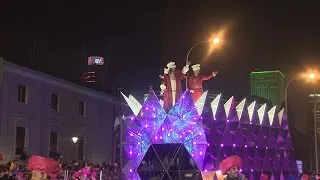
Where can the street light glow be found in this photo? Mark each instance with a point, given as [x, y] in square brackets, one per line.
[75, 139]
[216, 41]
[312, 75]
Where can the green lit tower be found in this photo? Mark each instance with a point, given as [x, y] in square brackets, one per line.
[269, 85]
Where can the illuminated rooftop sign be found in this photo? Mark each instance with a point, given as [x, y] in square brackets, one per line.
[95, 60]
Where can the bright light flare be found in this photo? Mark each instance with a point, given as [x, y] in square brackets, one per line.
[216, 41]
[312, 76]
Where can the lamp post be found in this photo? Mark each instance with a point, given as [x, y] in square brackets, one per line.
[310, 76]
[75, 140]
[315, 133]
[214, 41]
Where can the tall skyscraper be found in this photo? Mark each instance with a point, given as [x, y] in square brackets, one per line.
[94, 76]
[312, 120]
[268, 84]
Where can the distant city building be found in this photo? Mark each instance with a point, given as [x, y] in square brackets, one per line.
[269, 85]
[39, 114]
[94, 75]
[314, 110]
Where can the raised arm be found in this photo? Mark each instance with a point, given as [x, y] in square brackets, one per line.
[213, 74]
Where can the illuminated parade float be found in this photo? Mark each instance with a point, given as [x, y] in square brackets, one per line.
[190, 140]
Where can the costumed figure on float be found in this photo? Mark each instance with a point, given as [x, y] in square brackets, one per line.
[171, 85]
[195, 81]
[43, 168]
[231, 168]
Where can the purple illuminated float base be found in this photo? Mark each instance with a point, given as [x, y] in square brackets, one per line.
[260, 137]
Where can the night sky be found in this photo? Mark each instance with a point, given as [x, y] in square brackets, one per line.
[138, 38]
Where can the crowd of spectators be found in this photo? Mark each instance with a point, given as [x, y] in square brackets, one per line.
[16, 170]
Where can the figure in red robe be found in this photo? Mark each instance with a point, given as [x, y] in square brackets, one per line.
[195, 82]
[171, 86]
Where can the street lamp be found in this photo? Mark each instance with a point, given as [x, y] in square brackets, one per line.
[75, 140]
[214, 41]
[310, 76]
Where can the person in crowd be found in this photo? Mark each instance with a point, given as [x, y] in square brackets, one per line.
[171, 85]
[42, 168]
[231, 168]
[195, 81]
[264, 176]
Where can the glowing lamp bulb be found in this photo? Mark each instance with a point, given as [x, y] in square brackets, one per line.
[162, 129]
[130, 170]
[216, 41]
[221, 145]
[312, 75]
[146, 125]
[131, 134]
[200, 153]
[130, 152]
[245, 146]
[234, 145]
[147, 108]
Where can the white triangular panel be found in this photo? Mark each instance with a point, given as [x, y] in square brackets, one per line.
[227, 106]
[215, 104]
[133, 106]
[261, 112]
[134, 100]
[280, 116]
[251, 109]
[271, 114]
[117, 123]
[200, 103]
[240, 107]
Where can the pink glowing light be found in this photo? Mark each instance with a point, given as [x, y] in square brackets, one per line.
[130, 170]
[200, 153]
[234, 145]
[146, 125]
[221, 145]
[162, 129]
[130, 152]
[245, 146]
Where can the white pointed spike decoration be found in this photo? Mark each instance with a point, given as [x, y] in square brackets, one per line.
[280, 116]
[133, 106]
[261, 112]
[251, 109]
[200, 103]
[240, 107]
[215, 104]
[134, 100]
[227, 106]
[271, 114]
